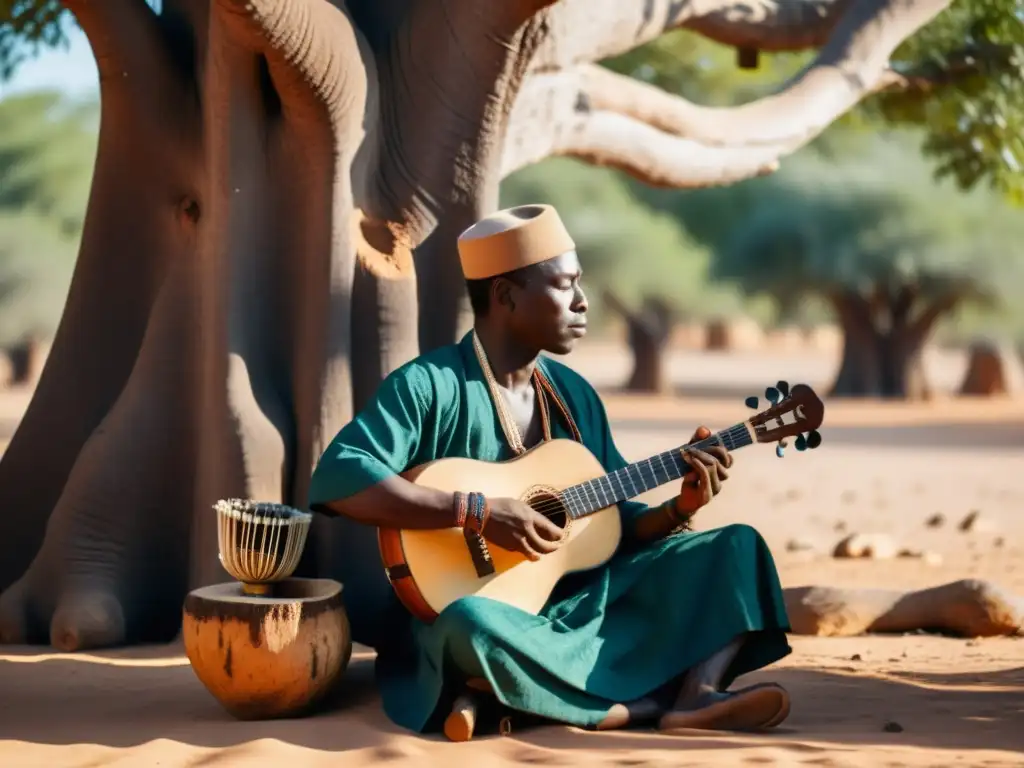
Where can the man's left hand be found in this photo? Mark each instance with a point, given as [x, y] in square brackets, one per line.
[709, 469]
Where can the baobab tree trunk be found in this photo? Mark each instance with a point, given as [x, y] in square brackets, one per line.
[247, 324]
[883, 343]
[266, 171]
[273, 245]
[648, 329]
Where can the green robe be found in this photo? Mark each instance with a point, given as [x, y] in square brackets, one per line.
[613, 634]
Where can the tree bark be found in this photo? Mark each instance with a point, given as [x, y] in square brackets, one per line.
[583, 31]
[431, 185]
[241, 374]
[883, 355]
[138, 223]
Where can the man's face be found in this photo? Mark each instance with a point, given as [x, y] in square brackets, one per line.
[547, 309]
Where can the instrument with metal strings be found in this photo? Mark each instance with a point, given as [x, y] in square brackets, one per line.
[562, 479]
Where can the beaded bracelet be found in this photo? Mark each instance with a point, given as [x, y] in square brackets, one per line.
[478, 513]
[461, 505]
[680, 523]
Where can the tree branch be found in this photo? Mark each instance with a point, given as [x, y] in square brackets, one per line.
[959, 65]
[925, 321]
[570, 114]
[590, 30]
[608, 119]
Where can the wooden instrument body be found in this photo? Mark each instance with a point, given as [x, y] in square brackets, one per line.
[430, 569]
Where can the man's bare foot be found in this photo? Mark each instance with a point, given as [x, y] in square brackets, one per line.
[623, 715]
[760, 706]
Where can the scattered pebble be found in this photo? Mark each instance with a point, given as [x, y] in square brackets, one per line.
[975, 523]
[999, 542]
[936, 521]
[877, 546]
[892, 727]
[855, 657]
[799, 545]
[931, 558]
[840, 526]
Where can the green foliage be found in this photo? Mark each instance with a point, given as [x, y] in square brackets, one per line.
[36, 263]
[700, 70]
[47, 148]
[25, 27]
[973, 55]
[875, 226]
[623, 244]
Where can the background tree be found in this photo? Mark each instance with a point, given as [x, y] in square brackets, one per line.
[275, 181]
[890, 252]
[641, 266]
[47, 146]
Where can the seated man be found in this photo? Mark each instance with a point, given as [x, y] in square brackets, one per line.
[657, 634]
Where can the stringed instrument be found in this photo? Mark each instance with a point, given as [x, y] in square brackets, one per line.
[562, 479]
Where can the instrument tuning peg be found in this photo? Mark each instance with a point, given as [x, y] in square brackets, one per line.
[772, 395]
[780, 450]
[783, 387]
[801, 443]
[751, 402]
[813, 439]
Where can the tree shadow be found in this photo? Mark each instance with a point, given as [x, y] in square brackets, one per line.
[126, 699]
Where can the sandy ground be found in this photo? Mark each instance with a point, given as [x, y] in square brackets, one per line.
[882, 468]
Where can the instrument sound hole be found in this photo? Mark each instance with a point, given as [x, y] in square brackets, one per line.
[551, 506]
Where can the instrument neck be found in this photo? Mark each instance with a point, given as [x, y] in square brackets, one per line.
[639, 477]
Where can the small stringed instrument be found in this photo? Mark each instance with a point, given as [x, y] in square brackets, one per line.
[562, 479]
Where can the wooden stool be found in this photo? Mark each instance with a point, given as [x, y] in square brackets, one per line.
[461, 722]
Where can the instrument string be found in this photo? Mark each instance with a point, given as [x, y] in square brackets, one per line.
[563, 502]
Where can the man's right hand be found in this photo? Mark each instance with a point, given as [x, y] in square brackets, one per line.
[518, 527]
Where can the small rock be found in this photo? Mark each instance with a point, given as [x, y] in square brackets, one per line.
[892, 727]
[799, 545]
[840, 526]
[999, 542]
[975, 523]
[875, 546]
[855, 657]
[932, 558]
[936, 521]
